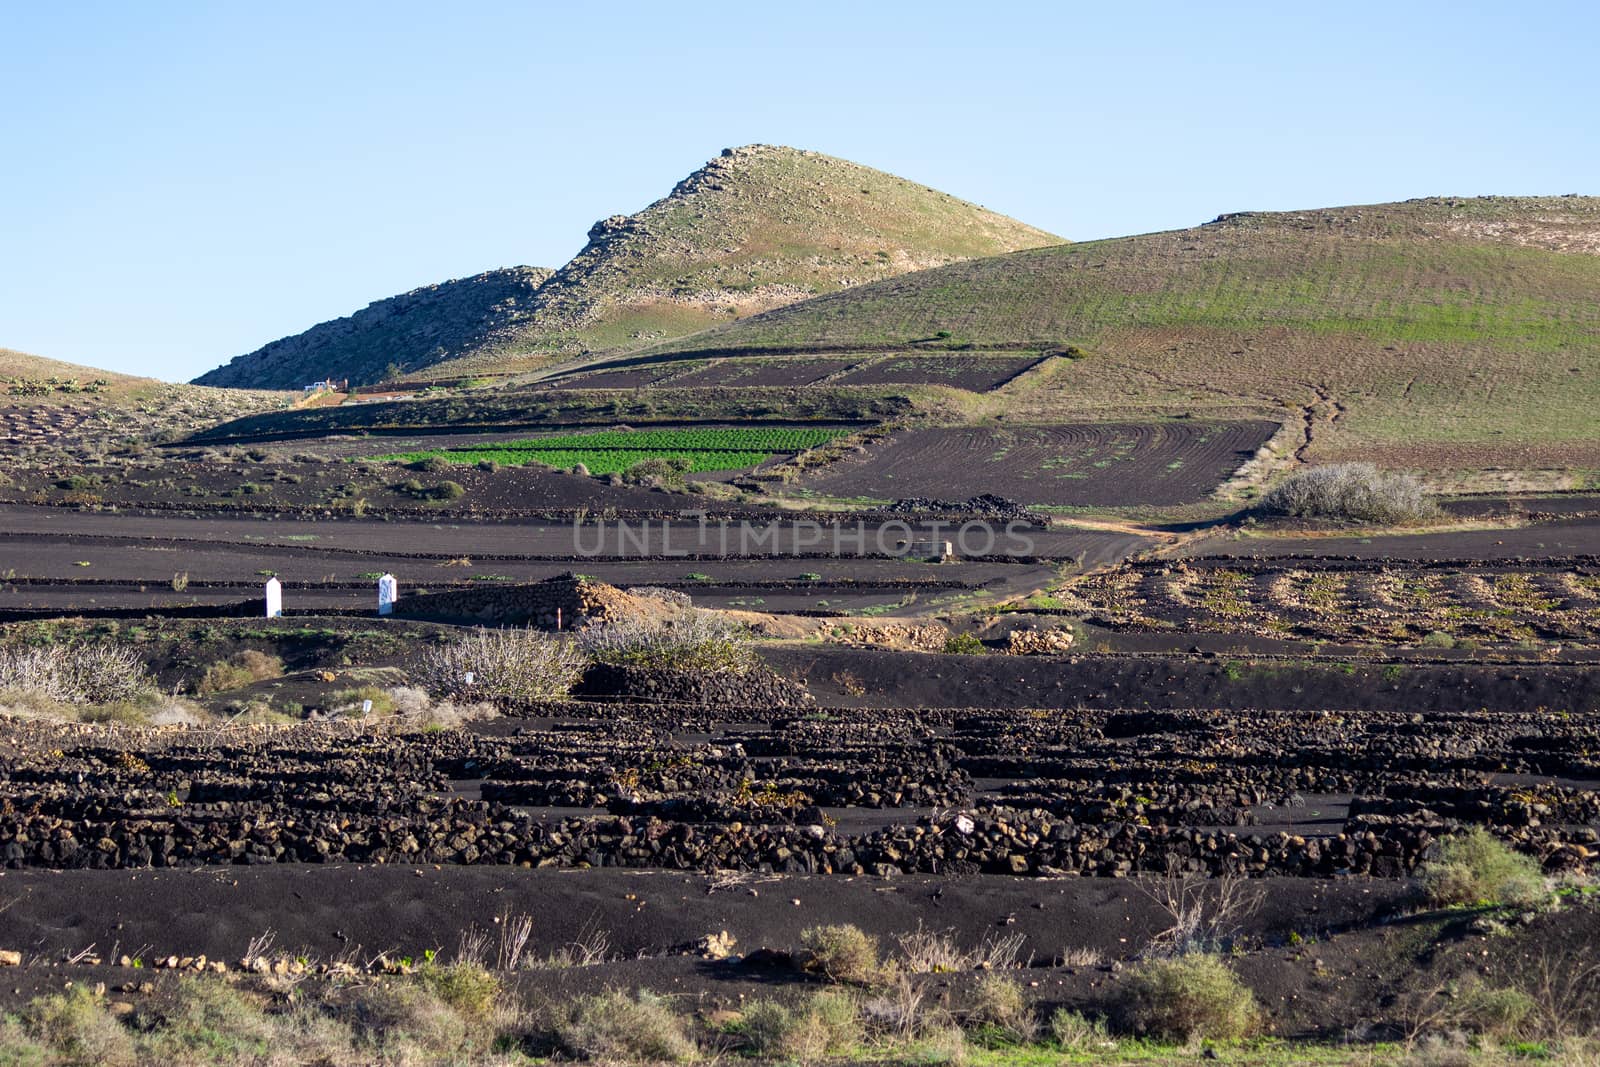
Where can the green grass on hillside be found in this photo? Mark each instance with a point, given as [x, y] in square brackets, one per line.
[1416, 336]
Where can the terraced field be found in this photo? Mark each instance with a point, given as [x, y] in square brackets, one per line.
[977, 374]
[1105, 464]
[615, 451]
[886, 792]
[1441, 605]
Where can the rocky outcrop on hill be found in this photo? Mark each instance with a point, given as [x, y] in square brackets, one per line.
[404, 332]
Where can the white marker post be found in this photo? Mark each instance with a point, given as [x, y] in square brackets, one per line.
[274, 599]
[388, 593]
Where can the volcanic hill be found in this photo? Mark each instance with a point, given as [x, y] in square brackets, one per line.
[758, 227]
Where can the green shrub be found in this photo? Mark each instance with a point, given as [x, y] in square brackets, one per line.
[1187, 998]
[963, 645]
[1495, 1011]
[239, 670]
[1352, 492]
[697, 641]
[658, 471]
[826, 1025]
[403, 1014]
[614, 1026]
[206, 1015]
[443, 491]
[77, 1025]
[352, 699]
[1001, 1006]
[1075, 1032]
[1477, 868]
[469, 989]
[430, 464]
[841, 953]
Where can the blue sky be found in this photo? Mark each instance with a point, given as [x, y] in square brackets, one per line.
[186, 182]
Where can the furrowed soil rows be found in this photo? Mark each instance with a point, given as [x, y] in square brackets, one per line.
[1089, 464]
[753, 373]
[637, 378]
[1353, 601]
[977, 374]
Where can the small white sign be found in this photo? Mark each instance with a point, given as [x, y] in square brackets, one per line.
[388, 593]
[274, 598]
[470, 677]
[366, 707]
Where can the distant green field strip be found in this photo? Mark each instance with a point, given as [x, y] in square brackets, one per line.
[614, 451]
[706, 439]
[598, 461]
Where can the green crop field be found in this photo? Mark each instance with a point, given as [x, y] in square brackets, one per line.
[614, 451]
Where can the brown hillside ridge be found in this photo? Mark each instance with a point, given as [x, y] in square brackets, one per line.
[48, 403]
[403, 332]
[758, 227]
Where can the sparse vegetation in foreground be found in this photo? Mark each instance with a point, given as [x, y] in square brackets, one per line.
[696, 641]
[1476, 868]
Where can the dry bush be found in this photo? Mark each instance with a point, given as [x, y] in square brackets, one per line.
[932, 952]
[591, 947]
[1353, 492]
[516, 665]
[1187, 998]
[613, 1026]
[75, 673]
[1206, 913]
[239, 670]
[1082, 957]
[1477, 868]
[841, 953]
[902, 1011]
[700, 641]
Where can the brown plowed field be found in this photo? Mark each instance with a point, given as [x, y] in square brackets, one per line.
[621, 379]
[1088, 464]
[752, 373]
[1550, 540]
[977, 374]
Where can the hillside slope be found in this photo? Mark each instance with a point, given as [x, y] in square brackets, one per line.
[756, 228]
[47, 403]
[414, 329]
[16, 367]
[1440, 332]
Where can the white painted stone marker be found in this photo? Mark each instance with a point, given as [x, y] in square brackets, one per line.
[274, 598]
[388, 593]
